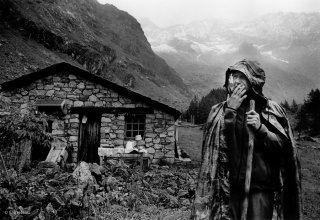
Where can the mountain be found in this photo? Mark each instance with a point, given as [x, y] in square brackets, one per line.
[35, 34]
[286, 44]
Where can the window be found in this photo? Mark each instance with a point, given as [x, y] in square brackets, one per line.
[135, 125]
[51, 107]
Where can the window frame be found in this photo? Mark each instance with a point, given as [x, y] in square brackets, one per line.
[141, 121]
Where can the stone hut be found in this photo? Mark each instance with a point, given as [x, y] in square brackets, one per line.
[94, 117]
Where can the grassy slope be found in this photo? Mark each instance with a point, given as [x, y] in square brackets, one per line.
[310, 169]
[190, 140]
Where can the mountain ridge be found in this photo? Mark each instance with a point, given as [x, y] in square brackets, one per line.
[286, 44]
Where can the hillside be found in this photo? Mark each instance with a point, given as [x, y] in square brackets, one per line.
[286, 44]
[99, 38]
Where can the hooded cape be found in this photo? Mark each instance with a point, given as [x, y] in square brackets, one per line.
[213, 190]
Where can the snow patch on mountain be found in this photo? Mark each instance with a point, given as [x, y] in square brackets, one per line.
[164, 48]
[226, 48]
[201, 48]
[269, 53]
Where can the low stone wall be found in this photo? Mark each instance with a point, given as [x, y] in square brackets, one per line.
[159, 138]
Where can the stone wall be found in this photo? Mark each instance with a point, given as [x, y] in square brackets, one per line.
[159, 139]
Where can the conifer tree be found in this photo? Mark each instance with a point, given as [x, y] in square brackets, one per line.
[302, 120]
[201, 109]
[294, 106]
[285, 105]
[313, 107]
[308, 117]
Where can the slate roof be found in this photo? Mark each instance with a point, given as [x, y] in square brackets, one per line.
[29, 78]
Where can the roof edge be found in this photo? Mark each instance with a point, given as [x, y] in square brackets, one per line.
[28, 78]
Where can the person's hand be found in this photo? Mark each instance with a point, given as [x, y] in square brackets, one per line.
[236, 98]
[253, 119]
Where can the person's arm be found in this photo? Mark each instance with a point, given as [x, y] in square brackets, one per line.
[233, 103]
[272, 141]
[229, 131]
[230, 115]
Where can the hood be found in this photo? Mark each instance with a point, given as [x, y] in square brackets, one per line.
[252, 70]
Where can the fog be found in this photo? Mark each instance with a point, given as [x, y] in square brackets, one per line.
[170, 12]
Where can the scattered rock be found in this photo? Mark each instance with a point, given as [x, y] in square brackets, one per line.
[50, 209]
[71, 166]
[83, 174]
[69, 194]
[154, 166]
[96, 169]
[183, 193]
[57, 200]
[4, 113]
[49, 168]
[185, 202]
[173, 200]
[171, 191]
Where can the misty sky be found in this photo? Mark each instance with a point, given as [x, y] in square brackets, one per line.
[169, 12]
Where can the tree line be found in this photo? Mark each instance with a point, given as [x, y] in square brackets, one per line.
[199, 109]
[306, 116]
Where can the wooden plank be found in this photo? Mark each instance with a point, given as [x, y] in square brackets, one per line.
[111, 110]
[55, 154]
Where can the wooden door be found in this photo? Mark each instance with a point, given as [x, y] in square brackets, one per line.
[89, 137]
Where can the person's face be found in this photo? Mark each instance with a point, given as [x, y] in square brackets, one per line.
[235, 79]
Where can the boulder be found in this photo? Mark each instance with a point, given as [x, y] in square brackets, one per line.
[82, 174]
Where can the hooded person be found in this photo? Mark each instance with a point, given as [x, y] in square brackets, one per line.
[275, 190]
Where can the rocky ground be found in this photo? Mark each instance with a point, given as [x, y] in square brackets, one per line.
[114, 191]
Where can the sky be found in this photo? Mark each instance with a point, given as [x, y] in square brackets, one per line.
[169, 12]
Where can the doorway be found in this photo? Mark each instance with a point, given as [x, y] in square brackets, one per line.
[89, 137]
